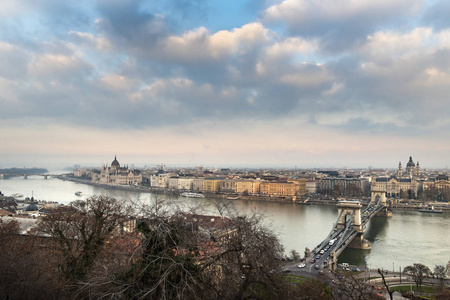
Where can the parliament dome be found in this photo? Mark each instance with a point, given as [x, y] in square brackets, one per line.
[115, 163]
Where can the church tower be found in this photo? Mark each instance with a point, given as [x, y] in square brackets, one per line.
[417, 169]
[400, 171]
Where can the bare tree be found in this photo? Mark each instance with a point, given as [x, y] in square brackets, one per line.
[418, 272]
[248, 259]
[80, 231]
[295, 255]
[442, 294]
[440, 272]
[385, 284]
[312, 289]
[447, 268]
[347, 286]
[180, 256]
[26, 268]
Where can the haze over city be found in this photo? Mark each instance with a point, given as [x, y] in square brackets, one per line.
[226, 83]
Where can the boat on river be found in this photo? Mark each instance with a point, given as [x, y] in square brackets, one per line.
[192, 195]
[78, 193]
[431, 210]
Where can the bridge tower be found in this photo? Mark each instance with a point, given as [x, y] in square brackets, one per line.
[352, 209]
[379, 195]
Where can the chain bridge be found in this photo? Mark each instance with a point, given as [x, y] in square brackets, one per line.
[348, 230]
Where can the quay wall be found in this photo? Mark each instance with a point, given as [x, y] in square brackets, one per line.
[232, 196]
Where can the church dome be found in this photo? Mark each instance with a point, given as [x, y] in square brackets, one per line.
[32, 207]
[115, 162]
[411, 163]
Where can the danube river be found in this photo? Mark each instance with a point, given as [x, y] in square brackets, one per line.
[407, 237]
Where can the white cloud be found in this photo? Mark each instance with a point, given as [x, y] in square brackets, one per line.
[118, 83]
[334, 89]
[436, 77]
[58, 66]
[185, 144]
[406, 55]
[13, 61]
[199, 45]
[309, 77]
[130, 68]
[392, 44]
[13, 8]
[340, 25]
[100, 43]
[291, 46]
[9, 94]
[303, 11]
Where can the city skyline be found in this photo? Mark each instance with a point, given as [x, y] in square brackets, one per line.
[290, 83]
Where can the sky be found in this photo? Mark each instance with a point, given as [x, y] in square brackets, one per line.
[267, 83]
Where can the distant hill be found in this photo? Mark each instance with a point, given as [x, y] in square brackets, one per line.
[22, 171]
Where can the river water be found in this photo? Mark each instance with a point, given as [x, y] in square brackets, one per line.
[407, 237]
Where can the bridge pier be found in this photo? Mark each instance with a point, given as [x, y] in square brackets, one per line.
[359, 242]
[25, 176]
[384, 213]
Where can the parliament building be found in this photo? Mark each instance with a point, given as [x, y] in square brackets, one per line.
[117, 175]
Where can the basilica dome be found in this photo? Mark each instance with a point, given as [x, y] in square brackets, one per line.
[411, 163]
[32, 207]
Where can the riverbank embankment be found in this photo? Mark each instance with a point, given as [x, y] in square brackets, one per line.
[398, 205]
[175, 192]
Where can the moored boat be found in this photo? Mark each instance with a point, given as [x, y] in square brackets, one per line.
[431, 210]
[192, 195]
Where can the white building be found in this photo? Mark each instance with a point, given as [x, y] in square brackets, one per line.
[160, 180]
[312, 186]
[197, 184]
[117, 175]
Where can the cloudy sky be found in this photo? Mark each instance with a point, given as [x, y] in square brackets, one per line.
[306, 83]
